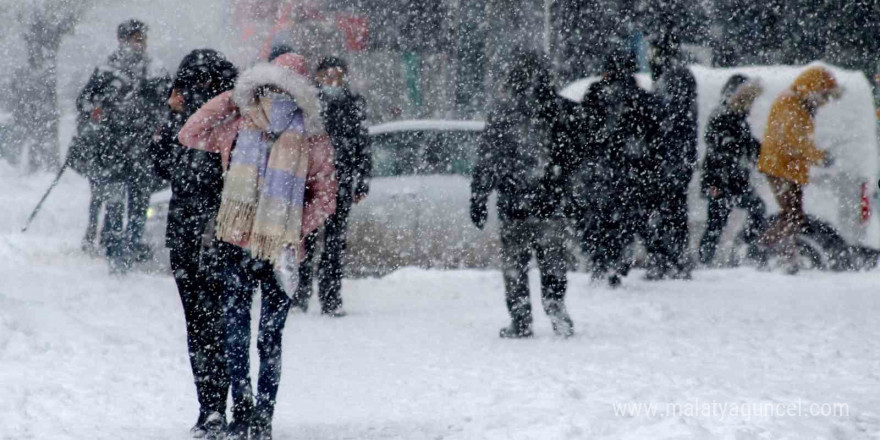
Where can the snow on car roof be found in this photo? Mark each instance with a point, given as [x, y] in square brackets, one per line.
[427, 124]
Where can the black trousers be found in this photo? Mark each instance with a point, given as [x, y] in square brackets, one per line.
[719, 212]
[201, 292]
[667, 249]
[330, 268]
[520, 239]
[138, 202]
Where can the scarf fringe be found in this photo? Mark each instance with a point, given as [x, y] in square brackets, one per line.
[234, 221]
[267, 247]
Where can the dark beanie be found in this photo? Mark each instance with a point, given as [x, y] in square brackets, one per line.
[205, 66]
[129, 28]
[279, 50]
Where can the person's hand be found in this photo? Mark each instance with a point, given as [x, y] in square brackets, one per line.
[176, 101]
[359, 197]
[479, 214]
[714, 192]
[828, 160]
[97, 115]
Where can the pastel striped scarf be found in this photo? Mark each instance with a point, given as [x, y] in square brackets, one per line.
[262, 202]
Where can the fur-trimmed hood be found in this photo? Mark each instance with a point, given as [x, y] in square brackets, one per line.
[284, 77]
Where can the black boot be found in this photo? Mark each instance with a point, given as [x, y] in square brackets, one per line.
[562, 323]
[518, 329]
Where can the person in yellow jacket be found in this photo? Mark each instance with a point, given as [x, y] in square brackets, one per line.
[788, 152]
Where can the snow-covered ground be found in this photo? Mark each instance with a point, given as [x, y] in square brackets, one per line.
[84, 355]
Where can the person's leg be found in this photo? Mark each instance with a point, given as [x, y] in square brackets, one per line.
[138, 203]
[114, 227]
[679, 236]
[239, 285]
[203, 313]
[331, 267]
[756, 224]
[516, 239]
[719, 211]
[549, 247]
[306, 272]
[95, 203]
[273, 314]
[780, 234]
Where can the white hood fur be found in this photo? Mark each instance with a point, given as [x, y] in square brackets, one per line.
[299, 87]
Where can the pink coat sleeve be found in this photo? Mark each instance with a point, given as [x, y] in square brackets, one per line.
[321, 185]
[209, 127]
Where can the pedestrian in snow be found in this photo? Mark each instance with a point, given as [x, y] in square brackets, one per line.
[125, 101]
[344, 116]
[619, 126]
[279, 186]
[673, 158]
[788, 152]
[730, 151]
[518, 157]
[196, 184]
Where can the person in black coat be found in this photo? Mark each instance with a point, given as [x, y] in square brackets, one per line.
[519, 157]
[123, 103]
[672, 158]
[344, 113]
[620, 123]
[730, 151]
[196, 185]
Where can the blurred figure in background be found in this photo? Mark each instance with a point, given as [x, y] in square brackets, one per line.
[518, 157]
[731, 151]
[673, 158]
[344, 113]
[125, 101]
[788, 152]
[196, 184]
[620, 120]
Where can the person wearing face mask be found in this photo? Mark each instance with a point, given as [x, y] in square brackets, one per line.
[731, 150]
[344, 113]
[279, 186]
[196, 183]
[619, 123]
[788, 152]
[124, 103]
[518, 156]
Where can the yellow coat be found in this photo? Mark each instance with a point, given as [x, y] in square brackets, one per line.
[787, 150]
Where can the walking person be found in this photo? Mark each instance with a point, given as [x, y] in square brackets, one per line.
[344, 115]
[620, 120]
[518, 157]
[279, 186]
[731, 151]
[123, 100]
[196, 184]
[673, 158]
[788, 152]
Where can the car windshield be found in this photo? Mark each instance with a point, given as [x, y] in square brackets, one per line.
[423, 152]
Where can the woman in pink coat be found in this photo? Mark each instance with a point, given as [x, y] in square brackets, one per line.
[279, 185]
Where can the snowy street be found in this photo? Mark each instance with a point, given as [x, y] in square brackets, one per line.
[87, 355]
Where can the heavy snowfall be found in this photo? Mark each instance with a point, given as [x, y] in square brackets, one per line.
[335, 219]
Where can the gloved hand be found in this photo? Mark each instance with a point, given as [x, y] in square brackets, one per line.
[828, 160]
[479, 213]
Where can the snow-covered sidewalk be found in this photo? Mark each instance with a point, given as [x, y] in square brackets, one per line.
[84, 355]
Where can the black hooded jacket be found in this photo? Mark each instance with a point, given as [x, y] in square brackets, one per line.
[730, 151]
[520, 154]
[196, 176]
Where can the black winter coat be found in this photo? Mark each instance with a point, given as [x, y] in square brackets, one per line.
[730, 152]
[521, 156]
[196, 183]
[344, 118]
[674, 155]
[131, 94]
